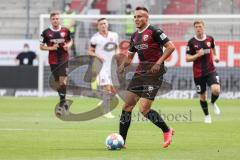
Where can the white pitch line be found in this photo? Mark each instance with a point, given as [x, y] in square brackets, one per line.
[21, 129]
[11, 129]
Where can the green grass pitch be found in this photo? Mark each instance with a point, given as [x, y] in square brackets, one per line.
[29, 130]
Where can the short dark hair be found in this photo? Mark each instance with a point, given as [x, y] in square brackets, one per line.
[53, 13]
[101, 19]
[141, 8]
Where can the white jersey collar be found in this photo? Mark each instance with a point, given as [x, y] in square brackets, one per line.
[144, 29]
[203, 39]
[103, 36]
[56, 30]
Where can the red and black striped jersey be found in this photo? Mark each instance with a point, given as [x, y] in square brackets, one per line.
[203, 65]
[60, 37]
[148, 44]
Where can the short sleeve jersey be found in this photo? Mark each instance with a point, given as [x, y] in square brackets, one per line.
[51, 37]
[105, 47]
[148, 44]
[203, 65]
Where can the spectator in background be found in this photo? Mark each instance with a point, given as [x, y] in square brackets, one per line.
[130, 28]
[71, 25]
[128, 9]
[27, 56]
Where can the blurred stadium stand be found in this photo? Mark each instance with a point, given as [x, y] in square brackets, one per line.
[78, 5]
[20, 18]
[101, 5]
[179, 7]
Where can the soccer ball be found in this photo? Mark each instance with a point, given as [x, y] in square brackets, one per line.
[114, 141]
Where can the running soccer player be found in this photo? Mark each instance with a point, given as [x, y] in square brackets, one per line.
[98, 44]
[201, 51]
[57, 41]
[148, 42]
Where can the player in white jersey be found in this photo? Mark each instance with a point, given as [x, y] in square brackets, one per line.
[103, 45]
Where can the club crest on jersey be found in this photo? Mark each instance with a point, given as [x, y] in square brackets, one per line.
[145, 37]
[209, 44]
[62, 34]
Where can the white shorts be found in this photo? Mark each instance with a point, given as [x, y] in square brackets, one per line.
[104, 79]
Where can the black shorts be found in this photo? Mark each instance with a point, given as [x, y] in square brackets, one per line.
[202, 82]
[145, 86]
[59, 70]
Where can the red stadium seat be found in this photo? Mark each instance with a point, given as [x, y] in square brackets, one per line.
[179, 7]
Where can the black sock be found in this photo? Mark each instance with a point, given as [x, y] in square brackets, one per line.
[62, 93]
[125, 121]
[156, 119]
[204, 106]
[214, 98]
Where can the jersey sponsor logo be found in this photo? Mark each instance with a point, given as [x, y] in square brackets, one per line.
[195, 46]
[57, 41]
[141, 46]
[145, 37]
[163, 36]
[207, 51]
[110, 46]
